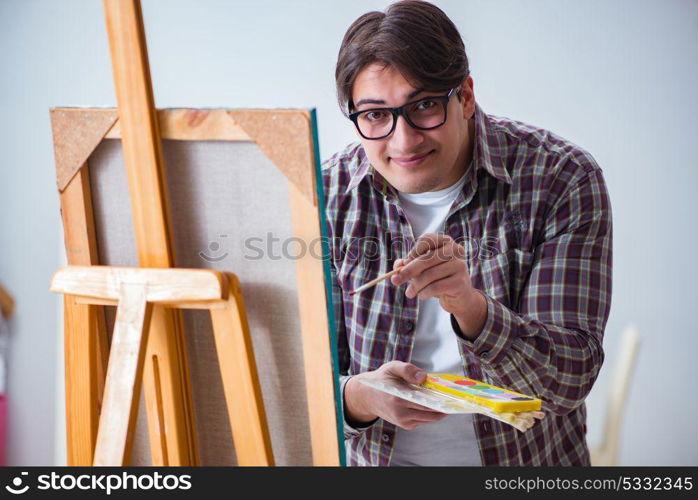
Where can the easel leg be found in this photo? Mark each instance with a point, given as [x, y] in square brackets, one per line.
[243, 393]
[124, 375]
[82, 381]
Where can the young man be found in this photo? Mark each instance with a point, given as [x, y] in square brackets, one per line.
[503, 234]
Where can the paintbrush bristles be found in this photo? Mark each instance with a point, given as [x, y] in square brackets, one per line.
[375, 281]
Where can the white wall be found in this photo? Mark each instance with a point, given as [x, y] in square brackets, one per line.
[616, 77]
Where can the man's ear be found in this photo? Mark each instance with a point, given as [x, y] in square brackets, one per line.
[467, 98]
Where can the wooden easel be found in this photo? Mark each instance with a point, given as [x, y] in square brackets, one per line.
[136, 291]
[7, 303]
[166, 383]
[7, 306]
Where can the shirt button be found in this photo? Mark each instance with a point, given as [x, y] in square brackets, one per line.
[409, 326]
[485, 354]
[385, 438]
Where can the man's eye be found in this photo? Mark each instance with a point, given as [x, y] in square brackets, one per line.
[373, 116]
[422, 105]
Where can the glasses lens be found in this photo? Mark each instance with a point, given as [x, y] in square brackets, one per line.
[427, 113]
[424, 114]
[375, 123]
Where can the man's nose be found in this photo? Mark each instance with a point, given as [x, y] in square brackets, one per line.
[405, 138]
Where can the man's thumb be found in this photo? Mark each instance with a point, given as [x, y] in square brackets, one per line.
[408, 372]
[419, 376]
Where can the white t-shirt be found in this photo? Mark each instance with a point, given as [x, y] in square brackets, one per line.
[451, 441]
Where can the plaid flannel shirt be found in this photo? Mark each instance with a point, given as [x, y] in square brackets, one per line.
[535, 219]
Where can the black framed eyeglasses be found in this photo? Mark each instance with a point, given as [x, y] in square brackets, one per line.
[423, 114]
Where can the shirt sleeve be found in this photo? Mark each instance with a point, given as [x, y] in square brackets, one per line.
[552, 346]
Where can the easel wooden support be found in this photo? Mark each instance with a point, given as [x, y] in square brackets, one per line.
[166, 374]
[136, 291]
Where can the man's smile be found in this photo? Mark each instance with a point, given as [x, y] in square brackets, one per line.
[411, 161]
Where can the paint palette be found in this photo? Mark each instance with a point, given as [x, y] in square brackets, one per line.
[496, 398]
[445, 402]
[422, 396]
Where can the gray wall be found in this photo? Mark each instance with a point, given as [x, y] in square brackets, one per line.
[616, 77]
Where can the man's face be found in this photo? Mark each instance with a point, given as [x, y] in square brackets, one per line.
[411, 160]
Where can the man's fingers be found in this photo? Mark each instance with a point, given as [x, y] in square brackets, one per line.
[436, 417]
[414, 410]
[429, 242]
[436, 289]
[426, 243]
[420, 415]
[411, 423]
[418, 407]
[433, 274]
[406, 371]
[417, 266]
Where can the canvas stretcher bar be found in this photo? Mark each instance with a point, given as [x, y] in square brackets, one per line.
[85, 338]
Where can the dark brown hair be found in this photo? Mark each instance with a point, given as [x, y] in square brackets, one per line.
[414, 37]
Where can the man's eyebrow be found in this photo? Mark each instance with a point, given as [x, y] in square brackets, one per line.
[380, 101]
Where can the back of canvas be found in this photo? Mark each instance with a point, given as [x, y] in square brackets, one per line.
[230, 211]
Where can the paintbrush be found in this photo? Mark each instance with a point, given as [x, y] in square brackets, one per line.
[375, 281]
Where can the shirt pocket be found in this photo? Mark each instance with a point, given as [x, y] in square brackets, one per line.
[356, 271]
[504, 276]
[350, 273]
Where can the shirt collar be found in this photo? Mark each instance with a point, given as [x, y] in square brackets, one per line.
[488, 144]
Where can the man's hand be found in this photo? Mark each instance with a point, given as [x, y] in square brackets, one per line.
[363, 404]
[436, 267]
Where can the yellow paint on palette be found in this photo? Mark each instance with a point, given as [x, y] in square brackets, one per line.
[498, 399]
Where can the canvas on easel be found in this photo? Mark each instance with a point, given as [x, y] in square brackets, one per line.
[232, 210]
